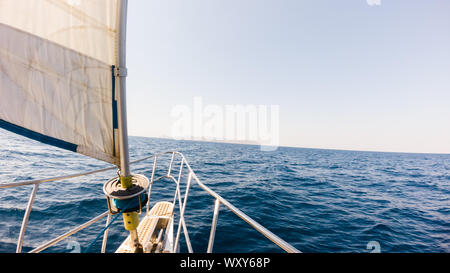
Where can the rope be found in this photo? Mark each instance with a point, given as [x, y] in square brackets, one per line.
[105, 228]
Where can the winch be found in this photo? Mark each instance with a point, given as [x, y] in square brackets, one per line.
[128, 195]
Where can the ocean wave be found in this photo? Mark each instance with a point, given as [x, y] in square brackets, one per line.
[317, 200]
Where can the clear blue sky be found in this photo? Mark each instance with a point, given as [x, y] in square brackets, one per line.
[345, 74]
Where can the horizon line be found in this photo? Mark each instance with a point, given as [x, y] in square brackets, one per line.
[295, 147]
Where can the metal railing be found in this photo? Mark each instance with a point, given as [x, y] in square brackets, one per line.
[182, 202]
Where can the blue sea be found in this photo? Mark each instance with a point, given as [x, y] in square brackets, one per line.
[317, 200]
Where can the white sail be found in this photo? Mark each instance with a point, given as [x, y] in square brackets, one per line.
[56, 73]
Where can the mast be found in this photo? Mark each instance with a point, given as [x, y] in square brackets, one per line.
[121, 74]
[131, 219]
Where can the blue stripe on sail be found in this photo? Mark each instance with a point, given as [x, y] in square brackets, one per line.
[114, 109]
[114, 102]
[37, 136]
